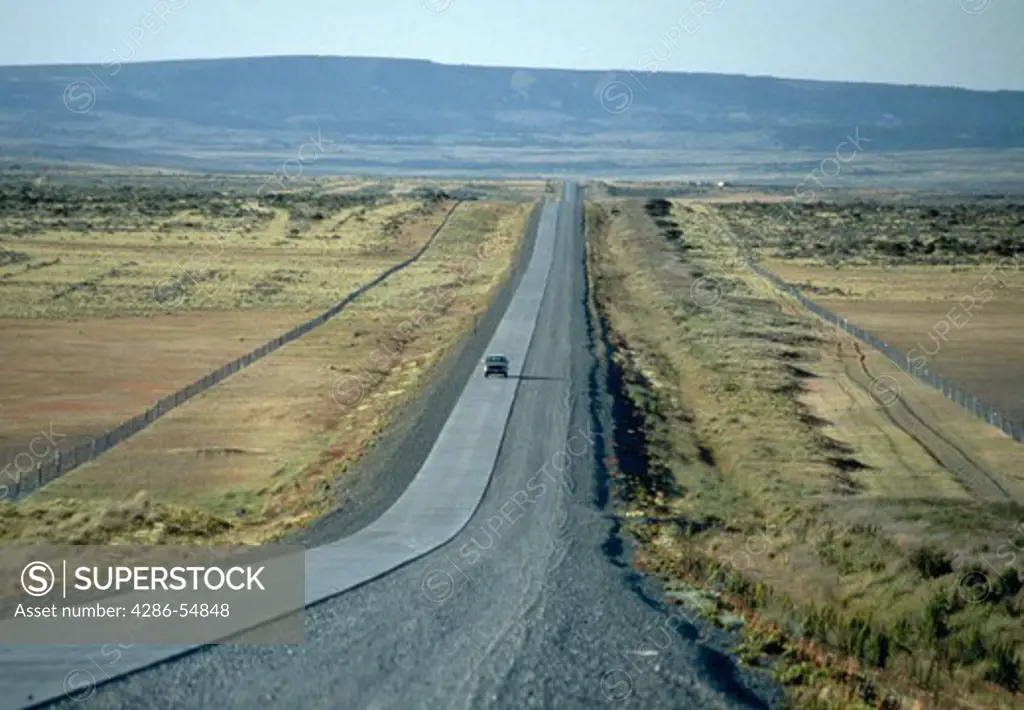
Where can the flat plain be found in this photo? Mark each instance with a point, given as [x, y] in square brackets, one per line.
[118, 295]
[962, 322]
[942, 281]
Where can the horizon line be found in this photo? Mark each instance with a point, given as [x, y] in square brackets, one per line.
[230, 58]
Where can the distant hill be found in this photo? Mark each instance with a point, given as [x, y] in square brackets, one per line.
[248, 113]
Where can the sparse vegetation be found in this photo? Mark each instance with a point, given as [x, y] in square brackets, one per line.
[265, 451]
[942, 279]
[182, 251]
[108, 247]
[770, 477]
[931, 563]
[878, 232]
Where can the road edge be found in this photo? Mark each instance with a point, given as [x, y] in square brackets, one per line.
[383, 474]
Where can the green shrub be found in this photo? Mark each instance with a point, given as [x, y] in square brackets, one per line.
[931, 563]
[936, 618]
[878, 650]
[1005, 668]
[1009, 583]
[970, 649]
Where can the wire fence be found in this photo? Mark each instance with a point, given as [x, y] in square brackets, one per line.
[64, 461]
[902, 360]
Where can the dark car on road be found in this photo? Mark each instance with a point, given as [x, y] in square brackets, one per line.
[496, 364]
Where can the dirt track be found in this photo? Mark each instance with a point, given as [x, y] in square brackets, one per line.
[887, 388]
[980, 482]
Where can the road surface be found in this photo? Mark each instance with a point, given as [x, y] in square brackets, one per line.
[530, 605]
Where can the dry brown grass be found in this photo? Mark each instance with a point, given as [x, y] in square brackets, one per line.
[128, 262]
[85, 375]
[263, 452]
[964, 321]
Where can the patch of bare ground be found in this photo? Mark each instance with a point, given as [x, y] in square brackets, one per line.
[266, 451]
[779, 489]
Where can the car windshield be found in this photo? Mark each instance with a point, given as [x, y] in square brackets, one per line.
[496, 358]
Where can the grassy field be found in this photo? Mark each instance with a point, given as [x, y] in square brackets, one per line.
[853, 538]
[899, 229]
[963, 322]
[79, 378]
[941, 280]
[70, 253]
[265, 451]
[115, 297]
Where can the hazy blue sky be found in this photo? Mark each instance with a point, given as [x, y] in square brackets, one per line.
[972, 43]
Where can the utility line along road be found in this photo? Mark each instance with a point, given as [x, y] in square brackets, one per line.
[527, 606]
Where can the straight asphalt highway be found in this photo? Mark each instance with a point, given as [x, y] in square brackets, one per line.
[529, 605]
